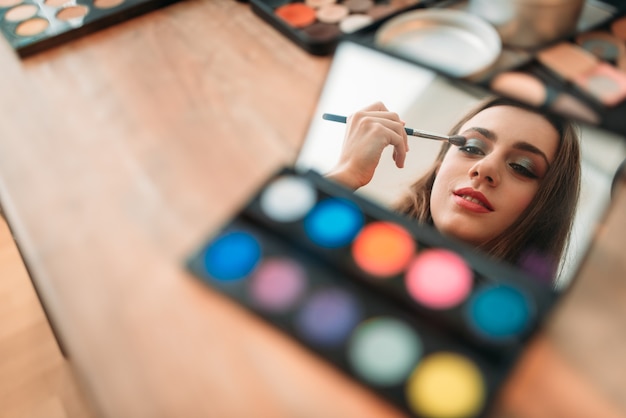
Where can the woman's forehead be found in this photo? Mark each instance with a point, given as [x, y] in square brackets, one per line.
[510, 124]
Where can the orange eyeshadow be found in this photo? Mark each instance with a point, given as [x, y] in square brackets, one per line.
[383, 249]
[319, 25]
[297, 15]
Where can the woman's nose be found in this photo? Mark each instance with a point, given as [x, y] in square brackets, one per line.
[485, 170]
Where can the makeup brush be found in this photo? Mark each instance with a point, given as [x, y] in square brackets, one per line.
[457, 140]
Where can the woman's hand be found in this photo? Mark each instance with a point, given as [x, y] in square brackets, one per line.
[368, 132]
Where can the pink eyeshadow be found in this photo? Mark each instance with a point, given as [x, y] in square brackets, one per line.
[277, 284]
[438, 279]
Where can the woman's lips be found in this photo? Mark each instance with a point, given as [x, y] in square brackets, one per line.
[473, 200]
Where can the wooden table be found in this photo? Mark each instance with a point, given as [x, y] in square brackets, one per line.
[122, 150]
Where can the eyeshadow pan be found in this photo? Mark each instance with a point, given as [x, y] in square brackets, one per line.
[55, 3]
[328, 317]
[21, 12]
[277, 284]
[9, 3]
[354, 22]
[107, 4]
[567, 60]
[333, 222]
[332, 13]
[446, 385]
[439, 279]
[297, 15]
[381, 10]
[232, 256]
[288, 199]
[601, 44]
[322, 32]
[359, 6]
[383, 249]
[606, 83]
[520, 86]
[384, 351]
[316, 4]
[499, 312]
[401, 4]
[32, 27]
[72, 12]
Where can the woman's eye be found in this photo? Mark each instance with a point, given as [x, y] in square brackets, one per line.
[522, 170]
[474, 147]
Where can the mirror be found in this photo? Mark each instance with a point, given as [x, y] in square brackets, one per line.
[360, 76]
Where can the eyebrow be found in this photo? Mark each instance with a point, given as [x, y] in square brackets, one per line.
[520, 145]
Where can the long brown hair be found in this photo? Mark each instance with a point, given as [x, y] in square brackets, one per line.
[543, 229]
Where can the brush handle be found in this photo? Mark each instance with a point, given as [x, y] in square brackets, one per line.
[455, 140]
[343, 119]
[334, 118]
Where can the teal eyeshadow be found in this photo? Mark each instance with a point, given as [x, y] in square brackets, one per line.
[333, 223]
[499, 312]
[601, 48]
[232, 256]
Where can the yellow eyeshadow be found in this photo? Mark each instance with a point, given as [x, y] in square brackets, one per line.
[446, 385]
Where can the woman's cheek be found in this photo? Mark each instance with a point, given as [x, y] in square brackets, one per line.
[520, 200]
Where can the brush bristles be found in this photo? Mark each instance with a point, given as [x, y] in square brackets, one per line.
[457, 140]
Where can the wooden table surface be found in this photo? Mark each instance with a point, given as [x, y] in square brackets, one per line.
[122, 150]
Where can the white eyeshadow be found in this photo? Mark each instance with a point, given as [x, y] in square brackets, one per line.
[288, 199]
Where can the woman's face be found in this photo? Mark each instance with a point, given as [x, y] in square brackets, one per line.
[482, 187]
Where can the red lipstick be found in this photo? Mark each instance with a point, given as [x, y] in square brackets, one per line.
[472, 200]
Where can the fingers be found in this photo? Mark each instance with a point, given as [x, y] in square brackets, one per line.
[374, 127]
[376, 106]
[399, 153]
[369, 119]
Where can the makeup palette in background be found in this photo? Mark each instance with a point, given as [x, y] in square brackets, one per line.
[31, 26]
[318, 25]
[425, 322]
[582, 77]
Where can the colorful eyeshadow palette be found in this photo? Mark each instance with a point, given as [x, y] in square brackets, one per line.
[31, 26]
[425, 322]
[318, 25]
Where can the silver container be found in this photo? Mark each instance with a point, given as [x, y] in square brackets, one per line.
[530, 23]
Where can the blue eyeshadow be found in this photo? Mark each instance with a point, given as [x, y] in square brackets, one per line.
[232, 256]
[333, 222]
[499, 312]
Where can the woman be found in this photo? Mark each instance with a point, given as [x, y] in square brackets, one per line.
[511, 190]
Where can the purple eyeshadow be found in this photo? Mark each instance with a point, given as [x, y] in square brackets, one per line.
[278, 284]
[328, 317]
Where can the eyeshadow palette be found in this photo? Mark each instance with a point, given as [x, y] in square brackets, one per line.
[582, 77]
[318, 25]
[425, 322]
[31, 26]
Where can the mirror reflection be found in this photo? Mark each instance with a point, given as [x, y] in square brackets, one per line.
[525, 187]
